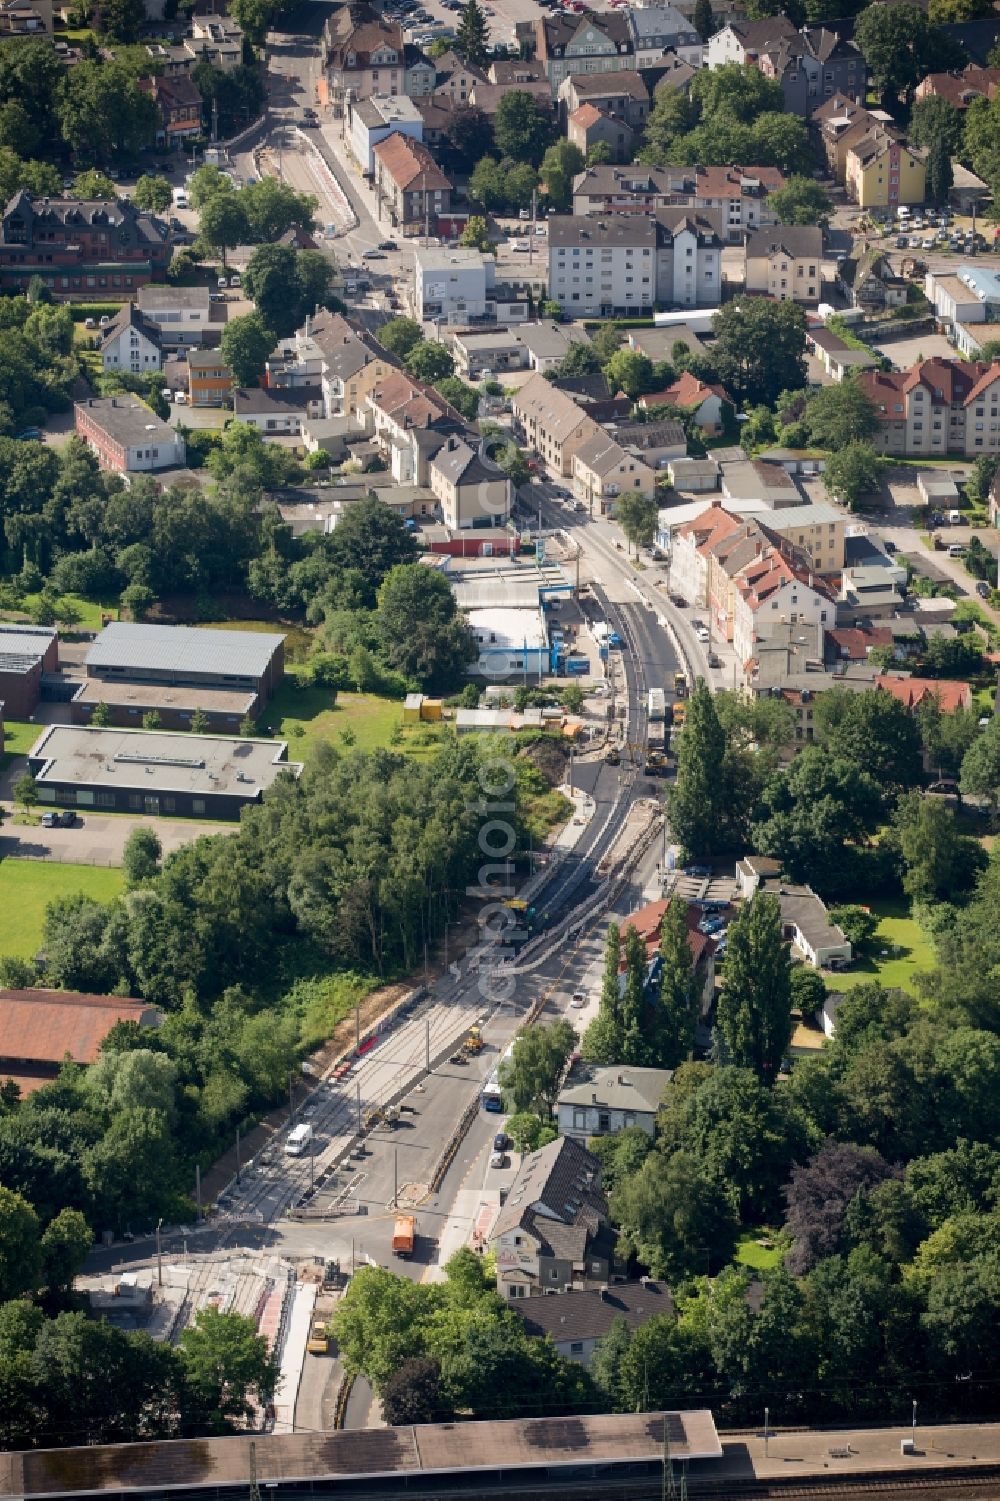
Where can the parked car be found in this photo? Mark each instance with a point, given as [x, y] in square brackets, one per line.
[697, 870]
[498, 1159]
[30, 435]
[982, 589]
[387, 245]
[703, 634]
[578, 1000]
[501, 1142]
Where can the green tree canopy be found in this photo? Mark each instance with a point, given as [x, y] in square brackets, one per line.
[754, 1013]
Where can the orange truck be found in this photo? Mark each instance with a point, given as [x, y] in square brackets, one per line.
[403, 1236]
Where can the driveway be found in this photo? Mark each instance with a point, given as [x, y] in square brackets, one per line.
[97, 839]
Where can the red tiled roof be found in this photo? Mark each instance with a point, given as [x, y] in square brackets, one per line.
[647, 920]
[913, 691]
[42, 1026]
[726, 182]
[689, 391]
[586, 116]
[408, 162]
[853, 643]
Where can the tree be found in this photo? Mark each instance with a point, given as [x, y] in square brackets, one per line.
[64, 1245]
[809, 813]
[429, 361]
[935, 119]
[528, 1131]
[981, 476]
[858, 925]
[879, 736]
[270, 280]
[694, 803]
[602, 1041]
[637, 516]
[228, 1369]
[901, 47]
[141, 856]
[199, 723]
[412, 1393]
[476, 235]
[472, 41]
[94, 187]
[400, 335]
[122, 20]
[759, 348]
[621, 1154]
[631, 372]
[423, 633]
[487, 184]
[152, 193]
[25, 792]
[560, 164]
[521, 128]
[600, 151]
[839, 415]
[465, 399]
[368, 542]
[530, 1077]
[754, 1014]
[103, 111]
[939, 172]
[222, 222]
[940, 863]
[676, 1014]
[819, 1194]
[514, 465]
[245, 345]
[581, 358]
[854, 472]
[634, 1050]
[20, 1254]
[801, 201]
[704, 19]
[272, 207]
[674, 1215]
[981, 765]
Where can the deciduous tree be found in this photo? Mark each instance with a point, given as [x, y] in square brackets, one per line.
[754, 1009]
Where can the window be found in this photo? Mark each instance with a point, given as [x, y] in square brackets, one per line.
[197, 805]
[576, 1347]
[603, 1120]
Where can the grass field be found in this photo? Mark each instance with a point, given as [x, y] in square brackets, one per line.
[89, 611]
[19, 736]
[27, 887]
[900, 950]
[305, 715]
[750, 1253]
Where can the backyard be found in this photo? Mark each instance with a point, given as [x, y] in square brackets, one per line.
[27, 887]
[305, 714]
[900, 950]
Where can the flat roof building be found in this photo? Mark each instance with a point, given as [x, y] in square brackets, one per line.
[154, 771]
[127, 436]
[187, 654]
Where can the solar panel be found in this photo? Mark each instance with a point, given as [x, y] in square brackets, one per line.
[557, 1433]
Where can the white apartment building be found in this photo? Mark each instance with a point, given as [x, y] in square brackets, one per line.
[452, 282]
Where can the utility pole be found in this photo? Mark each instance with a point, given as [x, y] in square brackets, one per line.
[291, 1099]
[395, 1177]
[254, 1487]
[357, 1025]
[427, 1044]
[534, 218]
[359, 1106]
[197, 1188]
[237, 1154]
[159, 1256]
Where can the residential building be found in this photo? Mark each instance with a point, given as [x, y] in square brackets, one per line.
[960, 88]
[624, 264]
[778, 587]
[493, 351]
[815, 66]
[374, 118]
[452, 283]
[743, 41]
[410, 423]
[568, 42]
[552, 1232]
[551, 423]
[648, 922]
[40, 1029]
[871, 283]
[277, 413]
[739, 195]
[622, 94]
[184, 317]
[672, 73]
[210, 380]
[786, 263]
[127, 436]
[603, 472]
[473, 491]
[364, 55]
[455, 78]
[707, 402]
[806, 924]
[180, 104]
[547, 343]
[599, 1101]
[588, 126]
[78, 247]
[912, 692]
[154, 771]
[655, 442]
[657, 29]
[27, 653]
[131, 343]
[31, 18]
[511, 72]
[881, 171]
[734, 197]
[411, 191]
[218, 39]
[937, 407]
[576, 1325]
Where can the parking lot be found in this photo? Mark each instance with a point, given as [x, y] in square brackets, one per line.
[97, 840]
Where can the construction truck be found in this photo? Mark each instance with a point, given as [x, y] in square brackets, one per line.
[474, 1041]
[319, 1340]
[680, 714]
[680, 685]
[524, 913]
[404, 1232]
[612, 756]
[656, 761]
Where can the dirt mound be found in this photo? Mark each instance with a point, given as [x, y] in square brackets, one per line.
[549, 756]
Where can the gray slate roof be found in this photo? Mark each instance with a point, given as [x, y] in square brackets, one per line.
[589, 1315]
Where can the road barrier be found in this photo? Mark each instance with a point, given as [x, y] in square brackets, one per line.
[340, 1405]
[454, 1142]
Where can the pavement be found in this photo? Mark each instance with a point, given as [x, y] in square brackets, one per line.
[97, 839]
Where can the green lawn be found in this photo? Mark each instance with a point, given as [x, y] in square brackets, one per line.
[26, 888]
[88, 610]
[19, 736]
[305, 716]
[900, 950]
[750, 1253]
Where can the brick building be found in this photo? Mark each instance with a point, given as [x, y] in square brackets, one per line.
[26, 652]
[79, 247]
[127, 436]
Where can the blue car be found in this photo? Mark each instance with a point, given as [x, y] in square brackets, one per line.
[697, 870]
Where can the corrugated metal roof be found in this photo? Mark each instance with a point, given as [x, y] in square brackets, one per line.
[180, 649]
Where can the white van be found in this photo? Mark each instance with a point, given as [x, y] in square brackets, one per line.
[180, 198]
[956, 550]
